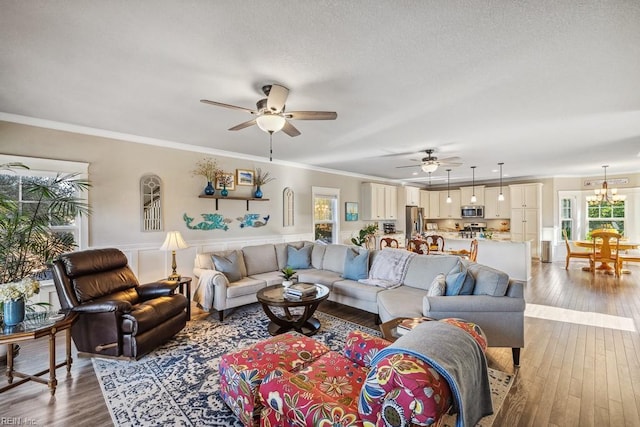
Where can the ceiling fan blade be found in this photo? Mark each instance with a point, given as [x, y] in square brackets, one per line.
[312, 115]
[290, 129]
[450, 159]
[244, 125]
[233, 107]
[452, 164]
[410, 166]
[277, 97]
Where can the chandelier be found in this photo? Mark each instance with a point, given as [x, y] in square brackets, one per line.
[604, 195]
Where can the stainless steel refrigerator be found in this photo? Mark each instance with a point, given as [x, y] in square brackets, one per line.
[415, 221]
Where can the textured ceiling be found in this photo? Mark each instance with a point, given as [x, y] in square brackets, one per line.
[550, 88]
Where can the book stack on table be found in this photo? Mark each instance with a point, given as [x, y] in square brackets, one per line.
[300, 290]
[408, 324]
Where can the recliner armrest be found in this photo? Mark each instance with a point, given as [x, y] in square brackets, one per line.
[103, 307]
[152, 290]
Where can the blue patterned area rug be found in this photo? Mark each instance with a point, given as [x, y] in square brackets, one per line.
[177, 384]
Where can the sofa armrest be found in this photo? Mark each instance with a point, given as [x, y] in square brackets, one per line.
[515, 289]
[211, 288]
[103, 307]
[471, 303]
[361, 347]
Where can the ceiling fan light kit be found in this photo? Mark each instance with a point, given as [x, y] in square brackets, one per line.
[270, 123]
[429, 167]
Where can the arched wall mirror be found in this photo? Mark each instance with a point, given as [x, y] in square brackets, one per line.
[151, 200]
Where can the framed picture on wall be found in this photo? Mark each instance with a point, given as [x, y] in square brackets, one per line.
[228, 179]
[351, 211]
[244, 177]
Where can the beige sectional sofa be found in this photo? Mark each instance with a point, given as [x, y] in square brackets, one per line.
[497, 303]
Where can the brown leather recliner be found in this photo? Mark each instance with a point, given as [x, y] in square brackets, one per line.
[118, 317]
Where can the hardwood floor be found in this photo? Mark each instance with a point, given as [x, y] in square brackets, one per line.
[571, 374]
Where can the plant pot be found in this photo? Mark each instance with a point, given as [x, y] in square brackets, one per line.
[287, 283]
[13, 312]
[209, 190]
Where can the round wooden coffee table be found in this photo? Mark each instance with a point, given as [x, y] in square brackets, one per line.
[281, 322]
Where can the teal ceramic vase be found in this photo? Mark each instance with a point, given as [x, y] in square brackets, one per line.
[258, 194]
[224, 191]
[13, 312]
[209, 190]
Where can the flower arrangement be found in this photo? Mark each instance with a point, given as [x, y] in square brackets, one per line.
[24, 289]
[207, 168]
[261, 178]
[223, 178]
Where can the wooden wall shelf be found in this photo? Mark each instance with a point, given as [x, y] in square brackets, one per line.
[219, 197]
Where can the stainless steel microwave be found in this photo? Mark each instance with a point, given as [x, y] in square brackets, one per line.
[472, 211]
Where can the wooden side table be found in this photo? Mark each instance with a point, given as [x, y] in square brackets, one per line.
[27, 331]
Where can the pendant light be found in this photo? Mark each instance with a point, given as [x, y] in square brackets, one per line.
[473, 185]
[448, 187]
[501, 196]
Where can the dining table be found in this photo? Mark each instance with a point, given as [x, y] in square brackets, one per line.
[604, 266]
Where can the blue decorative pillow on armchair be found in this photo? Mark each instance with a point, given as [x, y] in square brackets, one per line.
[356, 264]
[299, 258]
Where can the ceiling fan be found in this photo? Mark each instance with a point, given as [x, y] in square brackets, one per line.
[270, 112]
[430, 163]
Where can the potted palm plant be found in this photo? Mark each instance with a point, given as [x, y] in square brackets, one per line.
[27, 242]
[288, 273]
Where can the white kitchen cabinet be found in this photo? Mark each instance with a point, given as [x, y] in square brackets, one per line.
[379, 202]
[526, 214]
[449, 210]
[467, 192]
[493, 208]
[424, 203]
[434, 205]
[526, 196]
[412, 196]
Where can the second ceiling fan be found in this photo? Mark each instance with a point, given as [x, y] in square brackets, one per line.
[430, 163]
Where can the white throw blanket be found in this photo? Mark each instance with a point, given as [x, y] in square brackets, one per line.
[389, 268]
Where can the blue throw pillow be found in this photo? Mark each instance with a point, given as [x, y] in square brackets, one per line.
[356, 265]
[299, 258]
[454, 283]
[469, 283]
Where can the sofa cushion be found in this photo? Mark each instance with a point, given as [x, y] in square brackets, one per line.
[323, 277]
[229, 265]
[489, 281]
[245, 286]
[271, 278]
[334, 256]
[356, 290]
[404, 301]
[317, 255]
[260, 259]
[356, 264]
[299, 258]
[422, 269]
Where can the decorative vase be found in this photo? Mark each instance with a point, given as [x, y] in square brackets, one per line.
[287, 283]
[258, 194]
[209, 190]
[13, 312]
[224, 191]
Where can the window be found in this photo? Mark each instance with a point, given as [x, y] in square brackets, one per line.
[566, 218]
[606, 215]
[151, 200]
[326, 214]
[44, 171]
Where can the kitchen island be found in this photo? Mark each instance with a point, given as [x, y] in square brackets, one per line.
[514, 258]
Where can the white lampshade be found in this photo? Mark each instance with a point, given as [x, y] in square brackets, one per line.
[429, 167]
[174, 241]
[474, 198]
[270, 122]
[501, 197]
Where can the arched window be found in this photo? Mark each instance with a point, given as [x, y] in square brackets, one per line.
[151, 200]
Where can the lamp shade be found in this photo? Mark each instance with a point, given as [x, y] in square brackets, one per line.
[429, 167]
[270, 122]
[173, 241]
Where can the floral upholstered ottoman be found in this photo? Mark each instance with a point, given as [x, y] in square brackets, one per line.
[242, 372]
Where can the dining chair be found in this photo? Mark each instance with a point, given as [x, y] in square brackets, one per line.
[418, 246]
[435, 244]
[389, 242]
[573, 252]
[473, 253]
[608, 253]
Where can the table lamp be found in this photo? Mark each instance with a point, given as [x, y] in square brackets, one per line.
[173, 242]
